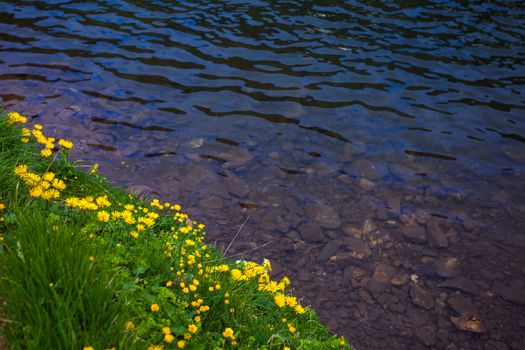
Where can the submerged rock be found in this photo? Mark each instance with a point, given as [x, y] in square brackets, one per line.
[358, 248]
[384, 273]
[446, 267]
[414, 232]
[329, 250]
[311, 232]
[461, 283]
[211, 202]
[326, 216]
[468, 323]
[436, 235]
[422, 298]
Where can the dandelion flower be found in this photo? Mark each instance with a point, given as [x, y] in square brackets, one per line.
[280, 299]
[192, 328]
[46, 153]
[236, 274]
[65, 143]
[103, 216]
[169, 338]
[299, 309]
[181, 344]
[155, 307]
[228, 333]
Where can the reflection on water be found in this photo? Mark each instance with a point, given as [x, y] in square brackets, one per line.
[377, 147]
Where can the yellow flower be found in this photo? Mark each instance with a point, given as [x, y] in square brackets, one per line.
[166, 330]
[2, 206]
[37, 127]
[36, 192]
[168, 338]
[46, 153]
[129, 325]
[291, 328]
[102, 201]
[59, 184]
[155, 307]
[176, 207]
[50, 194]
[21, 169]
[181, 344]
[228, 333]
[169, 283]
[155, 347]
[192, 328]
[286, 348]
[299, 309]
[103, 216]
[291, 301]
[65, 143]
[91, 258]
[280, 299]
[134, 234]
[15, 117]
[26, 132]
[88, 348]
[197, 319]
[94, 169]
[236, 274]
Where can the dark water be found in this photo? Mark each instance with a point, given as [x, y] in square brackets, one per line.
[376, 147]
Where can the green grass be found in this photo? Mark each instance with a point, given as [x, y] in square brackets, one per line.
[127, 273]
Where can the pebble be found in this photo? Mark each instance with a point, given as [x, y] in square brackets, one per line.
[352, 232]
[399, 279]
[358, 248]
[329, 250]
[514, 292]
[468, 323]
[414, 232]
[236, 186]
[446, 267]
[461, 304]
[365, 184]
[212, 202]
[461, 283]
[384, 273]
[422, 298]
[436, 235]
[325, 215]
[311, 232]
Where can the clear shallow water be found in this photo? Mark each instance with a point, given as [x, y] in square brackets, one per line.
[377, 148]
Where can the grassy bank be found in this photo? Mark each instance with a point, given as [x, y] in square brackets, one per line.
[85, 265]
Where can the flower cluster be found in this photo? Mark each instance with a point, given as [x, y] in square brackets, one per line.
[46, 186]
[15, 117]
[47, 142]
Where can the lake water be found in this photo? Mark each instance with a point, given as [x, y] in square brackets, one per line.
[376, 149]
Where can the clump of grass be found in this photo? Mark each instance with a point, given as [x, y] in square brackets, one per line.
[85, 265]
